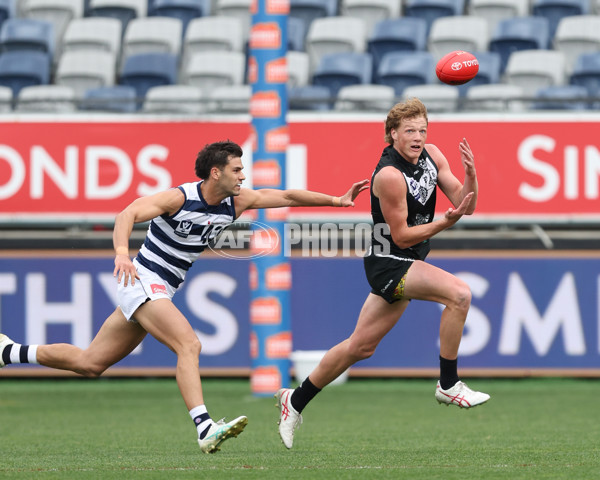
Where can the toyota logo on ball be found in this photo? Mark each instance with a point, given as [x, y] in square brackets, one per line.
[456, 66]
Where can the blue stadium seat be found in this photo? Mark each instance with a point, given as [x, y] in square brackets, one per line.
[397, 35]
[337, 70]
[520, 33]
[25, 34]
[561, 97]
[555, 10]
[123, 10]
[147, 70]
[116, 98]
[586, 73]
[296, 33]
[403, 69]
[184, 10]
[431, 10]
[20, 69]
[489, 71]
[308, 10]
[310, 97]
[7, 10]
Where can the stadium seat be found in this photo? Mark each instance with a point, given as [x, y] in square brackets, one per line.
[116, 98]
[563, 97]
[338, 70]
[309, 97]
[6, 99]
[458, 32]
[24, 34]
[210, 34]
[93, 34]
[122, 10]
[145, 70]
[437, 98]
[577, 35]
[520, 33]
[430, 10]
[371, 11]
[46, 98]
[494, 11]
[534, 69]
[19, 69]
[296, 34]
[183, 99]
[489, 71]
[58, 12]
[209, 70]
[499, 97]
[7, 10]
[309, 10]
[152, 35]
[230, 99]
[183, 10]
[298, 68]
[238, 9]
[334, 35]
[360, 98]
[586, 73]
[397, 35]
[555, 10]
[402, 69]
[85, 69]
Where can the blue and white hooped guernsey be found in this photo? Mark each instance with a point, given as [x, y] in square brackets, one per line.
[173, 243]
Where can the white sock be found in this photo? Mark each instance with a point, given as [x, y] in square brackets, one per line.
[201, 419]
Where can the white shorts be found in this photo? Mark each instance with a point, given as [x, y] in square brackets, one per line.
[149, 287]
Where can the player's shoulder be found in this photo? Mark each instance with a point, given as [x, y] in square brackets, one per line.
[433, 150]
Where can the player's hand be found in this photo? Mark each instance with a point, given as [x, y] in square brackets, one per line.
[454, 214]
[466, 157]
[124, 268]
[347, 200]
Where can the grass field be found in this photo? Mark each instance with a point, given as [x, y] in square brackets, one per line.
[134, 429]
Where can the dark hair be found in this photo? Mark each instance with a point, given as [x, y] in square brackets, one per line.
[411, 108]
[215, 155]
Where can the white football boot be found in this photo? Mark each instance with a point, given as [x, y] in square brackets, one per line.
[460, 395]
[221, 431]
[289, 418]
[4, 342]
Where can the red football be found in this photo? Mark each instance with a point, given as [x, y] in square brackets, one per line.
[457, 67]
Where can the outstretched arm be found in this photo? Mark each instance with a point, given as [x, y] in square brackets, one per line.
[272, 198]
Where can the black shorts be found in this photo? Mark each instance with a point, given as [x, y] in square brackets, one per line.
[386, 275]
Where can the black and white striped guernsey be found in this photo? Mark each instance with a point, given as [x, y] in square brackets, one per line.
[174, 242]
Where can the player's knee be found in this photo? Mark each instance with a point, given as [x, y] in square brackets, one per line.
[191, 348]
[461, 297]
[360, 351]
[93, 370]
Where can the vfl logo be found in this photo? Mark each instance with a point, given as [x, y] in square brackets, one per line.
[184, 228]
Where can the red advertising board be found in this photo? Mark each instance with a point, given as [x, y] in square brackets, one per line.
[527, 166]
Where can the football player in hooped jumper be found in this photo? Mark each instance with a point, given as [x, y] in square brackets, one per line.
[403, 194]
[183, 221]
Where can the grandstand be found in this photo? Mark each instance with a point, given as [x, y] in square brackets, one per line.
[546, 37]
[165, 57]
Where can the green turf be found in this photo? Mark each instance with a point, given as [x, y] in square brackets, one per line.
[134, 429]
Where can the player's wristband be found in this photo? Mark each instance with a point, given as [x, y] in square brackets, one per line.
[337, 202]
